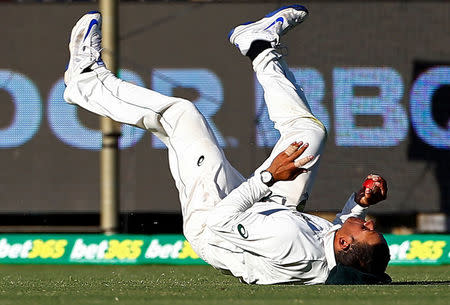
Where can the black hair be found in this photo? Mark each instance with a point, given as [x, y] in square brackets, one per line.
[367, 258]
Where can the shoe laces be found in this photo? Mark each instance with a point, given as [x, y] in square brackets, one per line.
[93, 52]
[93, 47]
[96, 41]
[273, 32]
[276, 43]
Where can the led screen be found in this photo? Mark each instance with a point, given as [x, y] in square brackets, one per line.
[376, 74]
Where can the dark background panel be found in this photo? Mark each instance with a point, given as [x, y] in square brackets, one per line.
[46, 175]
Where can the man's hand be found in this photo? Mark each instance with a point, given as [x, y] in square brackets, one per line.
[370, 196]
[285, 166]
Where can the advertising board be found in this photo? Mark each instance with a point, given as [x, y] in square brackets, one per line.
[174, 249]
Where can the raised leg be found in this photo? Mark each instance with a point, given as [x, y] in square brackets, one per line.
[292, 116]
[286, 103]
[198, 165]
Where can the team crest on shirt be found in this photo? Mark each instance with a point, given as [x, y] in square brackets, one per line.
[242, 231]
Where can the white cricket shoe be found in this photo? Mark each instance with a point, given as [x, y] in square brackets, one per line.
[269, 28]
[85, 45]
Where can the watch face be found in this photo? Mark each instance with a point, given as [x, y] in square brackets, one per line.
[266, 177]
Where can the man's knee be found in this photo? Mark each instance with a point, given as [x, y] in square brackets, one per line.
[183, 109]
[322, 132]
[186, 105]
[173, 111]
[309, 130]
[307, 124]
[318, 130]
[319, 127]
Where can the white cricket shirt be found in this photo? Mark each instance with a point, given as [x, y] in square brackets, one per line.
[262, 242]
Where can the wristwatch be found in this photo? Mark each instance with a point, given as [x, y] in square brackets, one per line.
[267, 178]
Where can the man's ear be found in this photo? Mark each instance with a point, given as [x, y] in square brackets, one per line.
[344, 242]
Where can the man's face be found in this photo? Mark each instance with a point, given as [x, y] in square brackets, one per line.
[362, 231]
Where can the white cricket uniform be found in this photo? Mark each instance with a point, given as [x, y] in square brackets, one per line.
[265, 243]
[281, 246]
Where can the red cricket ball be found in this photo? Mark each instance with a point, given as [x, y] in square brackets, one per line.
[369, 183]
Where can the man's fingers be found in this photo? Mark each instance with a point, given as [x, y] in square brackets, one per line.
[302, 162]
[298, 152]
[368, 193]
[294, 151]
[293, 148]
[383, 189]
[380, 183]
[373, 177]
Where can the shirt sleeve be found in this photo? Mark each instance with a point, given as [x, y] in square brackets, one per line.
[257, 233]
[351, 209]
[238, 201]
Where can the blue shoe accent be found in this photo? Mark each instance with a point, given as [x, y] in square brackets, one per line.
[298, 7]
[67, 67]
[230, 33]
[93, 22]
[93, 12]
[245, 23]
[279, 19]
[100, 61]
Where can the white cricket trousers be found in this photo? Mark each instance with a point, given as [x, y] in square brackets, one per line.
[198, 165]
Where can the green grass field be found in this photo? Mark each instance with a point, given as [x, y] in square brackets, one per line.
[49, 284]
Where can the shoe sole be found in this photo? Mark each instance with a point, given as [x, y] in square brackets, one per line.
[265, 19]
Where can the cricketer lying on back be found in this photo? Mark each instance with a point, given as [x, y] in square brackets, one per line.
[250, 228]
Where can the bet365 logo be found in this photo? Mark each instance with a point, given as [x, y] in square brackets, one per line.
[416, 250]
[429, 249]
[33, 249]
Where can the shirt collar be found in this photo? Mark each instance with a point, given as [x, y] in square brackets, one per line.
[328, 241]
